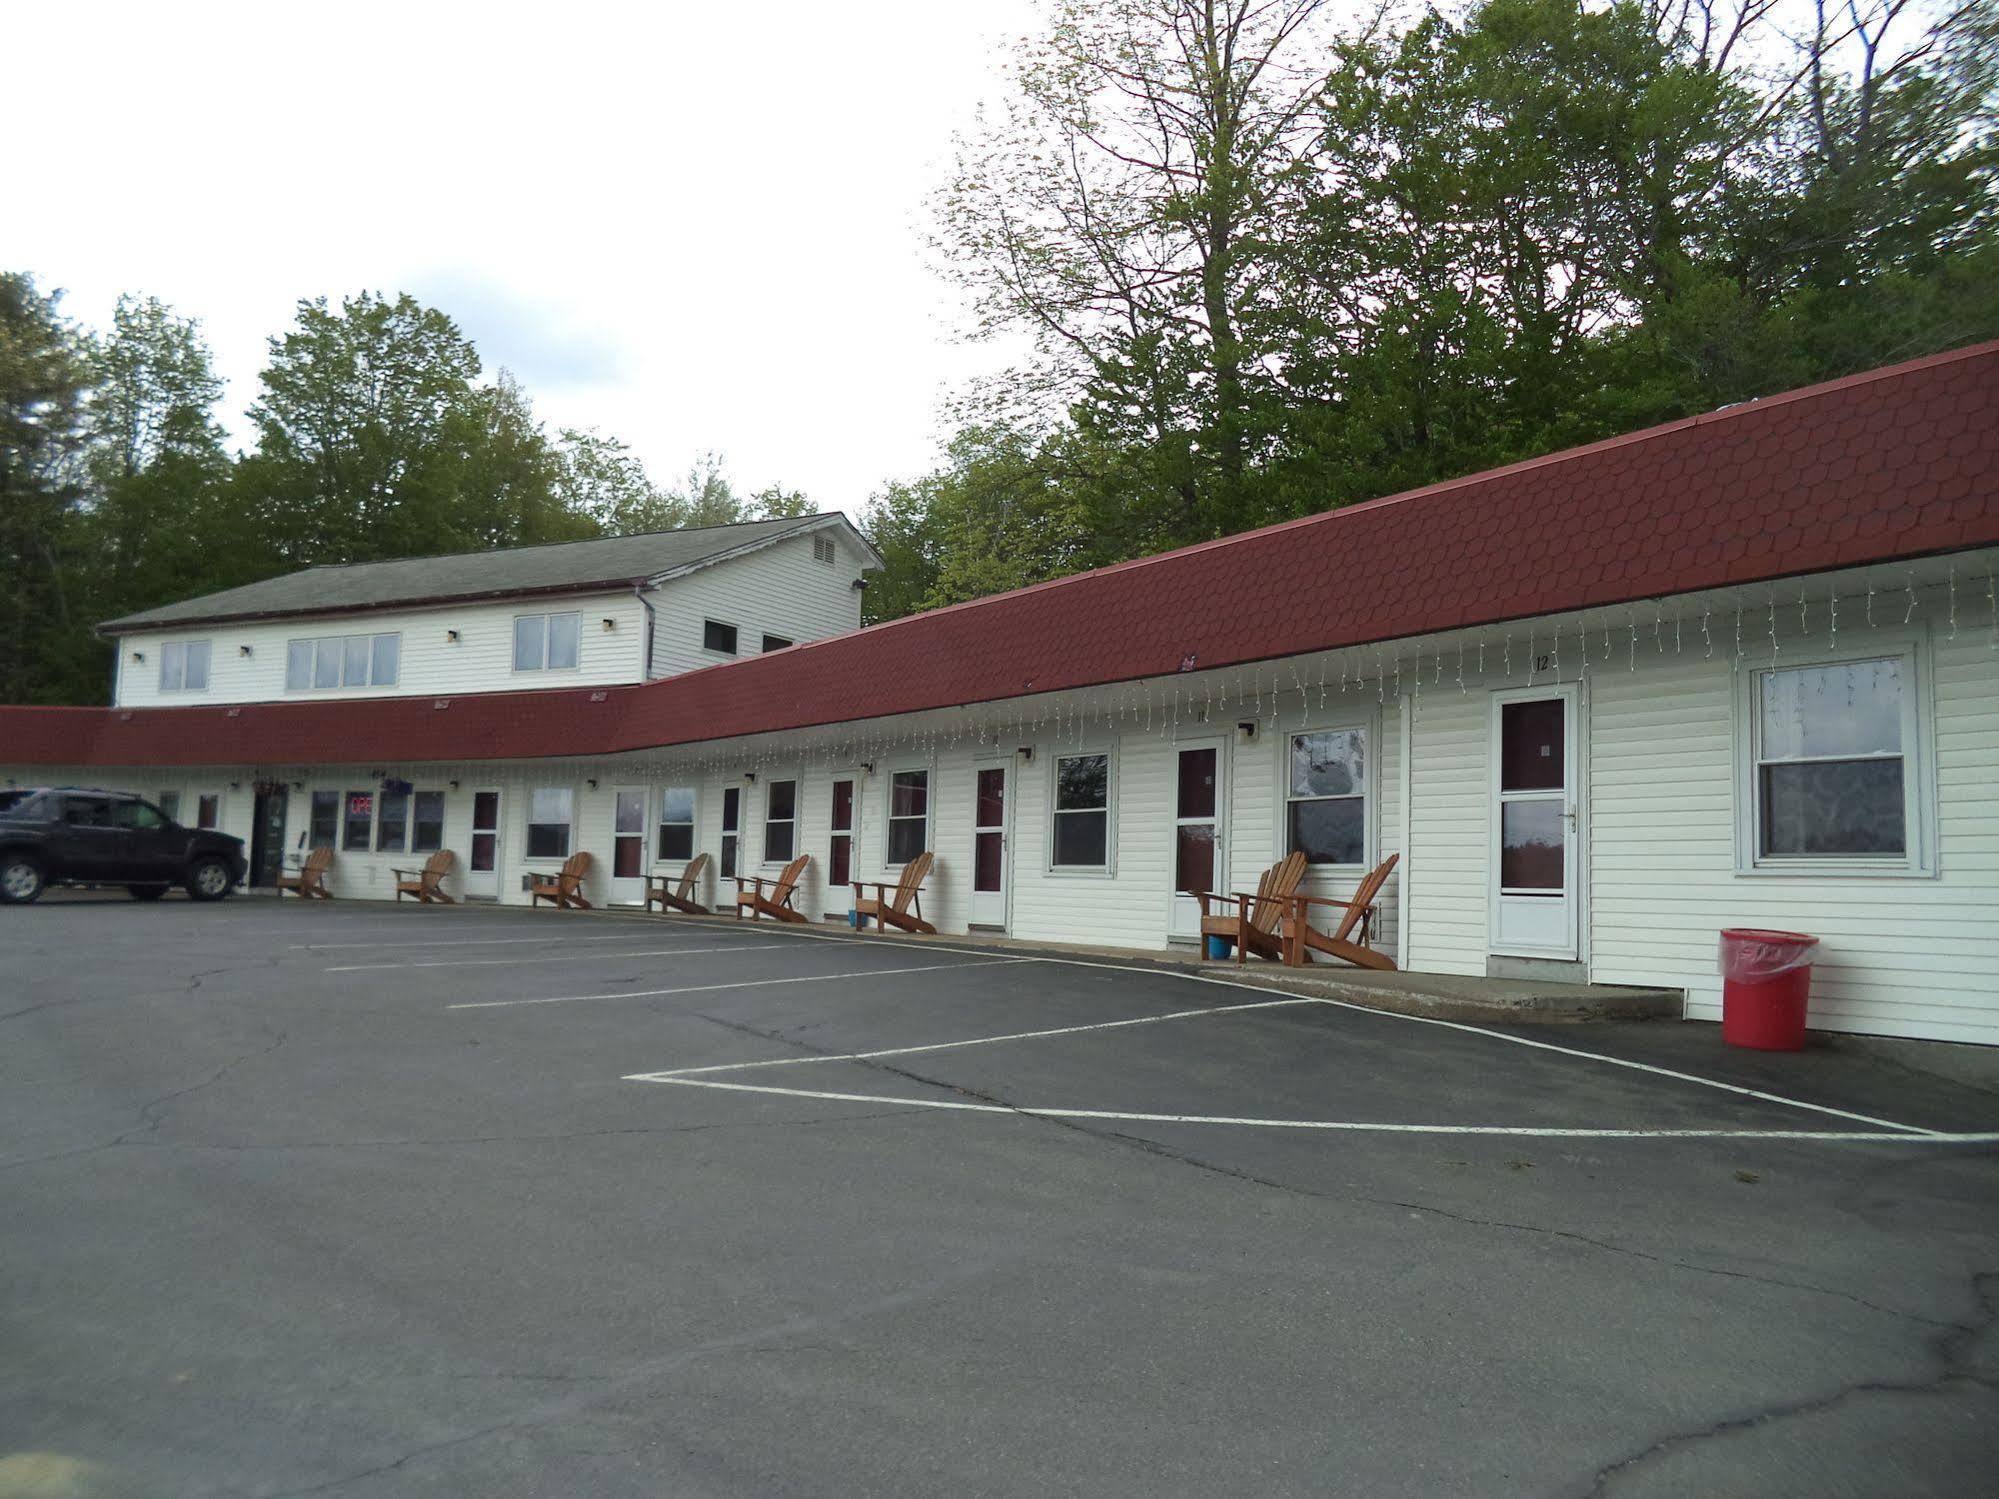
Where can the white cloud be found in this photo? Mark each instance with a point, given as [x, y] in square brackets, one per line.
[693, 227]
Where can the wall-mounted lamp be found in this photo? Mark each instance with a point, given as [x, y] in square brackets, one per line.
[235, 785]
[452, 784]
[591, 783]
[298, 785]
[243, 650]
[867, 767]
[749, 778]
[138, 656]
[1026, 753]
[609, 624]
[1247, 728]
[451, 636]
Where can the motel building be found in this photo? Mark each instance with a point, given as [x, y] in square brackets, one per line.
[1739, 670]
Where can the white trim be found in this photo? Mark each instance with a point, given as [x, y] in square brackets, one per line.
[1007, 765]
[1108, 748]
[514, 667]
[1220, 742]
[1912, 646]
[765, 779]
[1405, 787]
[1575, 813]
[658, 789]
[888, 773]
[528, 824]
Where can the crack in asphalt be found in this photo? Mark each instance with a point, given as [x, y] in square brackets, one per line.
[1951, 1351]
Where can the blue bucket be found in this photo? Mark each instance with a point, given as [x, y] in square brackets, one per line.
[1219, 947]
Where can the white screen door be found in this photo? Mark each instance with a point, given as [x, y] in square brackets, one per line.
[990, 864]
[1534, 868]
[1197, 831]
[628, 846]
[482, 868]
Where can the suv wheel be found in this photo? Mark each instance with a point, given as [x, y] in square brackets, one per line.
[208, 880]
[21, 879]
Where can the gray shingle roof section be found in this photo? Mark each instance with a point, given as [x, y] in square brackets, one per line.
[560, 567]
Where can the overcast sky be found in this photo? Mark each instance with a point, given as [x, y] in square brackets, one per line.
[691, 226]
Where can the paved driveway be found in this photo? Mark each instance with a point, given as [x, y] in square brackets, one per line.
[374, 1201]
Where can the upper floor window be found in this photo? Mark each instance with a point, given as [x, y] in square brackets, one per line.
[1833, 771]
[184, 666]
[330, 661]
[776, 643]
[716, 636]
[547, 642]
[822, 549]
[1325, 798]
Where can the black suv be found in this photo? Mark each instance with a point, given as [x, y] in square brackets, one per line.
[70, 836]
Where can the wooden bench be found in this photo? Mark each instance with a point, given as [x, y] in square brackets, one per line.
[427, 883]
[565, 890]
[1302, 939]
[894, 910]
[681, 896]
[1252, 925]
[782, 891]
[310, 881]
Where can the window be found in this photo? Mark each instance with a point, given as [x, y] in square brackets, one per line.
[184, 666]
[822, 550]
[325, 825]
[357, 819]
[1325, 805]
[170, 804]
[1832, 769]
[676, 823]
[732, 813]
[331, 661]
[138, 816]
[392, 829]
[908, 815]
[718, 637]
[780, 821]
[428, 825]
[775, 642]
[547, 642]
[208, 810]
[1082, 812]
[87, 811]
[550, 811]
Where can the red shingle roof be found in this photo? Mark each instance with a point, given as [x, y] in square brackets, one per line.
[1893, 464]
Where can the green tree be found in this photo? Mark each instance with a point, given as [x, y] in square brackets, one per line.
[44, 373]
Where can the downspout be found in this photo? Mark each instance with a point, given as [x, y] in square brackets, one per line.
[1403, 904]
[645, 659]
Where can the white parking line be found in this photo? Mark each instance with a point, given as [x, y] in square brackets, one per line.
[565, 957]
[808, 978]
[543, 940]
[1353, 1126]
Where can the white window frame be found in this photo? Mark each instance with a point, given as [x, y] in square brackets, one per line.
[1919, 779]
[546, 625]
[443, 817]
[367, 843]
[199, 798]
[528, 825]
[335, 648]
[174, 660]
[382, 800]
[735, 631]
[889, 773]
[797, 818]
[1108, 869]
[1369, 724]
[693, 823]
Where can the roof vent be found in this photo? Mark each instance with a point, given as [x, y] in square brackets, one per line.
[440, 702]
[234, 713]
[598, 697]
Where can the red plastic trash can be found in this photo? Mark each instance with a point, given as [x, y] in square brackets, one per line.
[1766, 982]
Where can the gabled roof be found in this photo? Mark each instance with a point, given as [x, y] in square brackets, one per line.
[559, 567]
[1892, 465]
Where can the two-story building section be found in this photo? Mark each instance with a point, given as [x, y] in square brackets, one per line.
[606, 612]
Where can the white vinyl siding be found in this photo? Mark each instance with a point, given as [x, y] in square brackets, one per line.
[777, 590]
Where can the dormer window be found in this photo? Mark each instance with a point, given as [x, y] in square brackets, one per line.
[184, 666]
[546, 642]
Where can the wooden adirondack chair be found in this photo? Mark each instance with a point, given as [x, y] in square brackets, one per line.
[1252, 924]
[427, 883]
[310, 881]
[781, 891]
[566, 889]
[1302, 939]
[893, 910]
[681, 896]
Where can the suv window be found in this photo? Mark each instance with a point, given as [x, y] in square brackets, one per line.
[87, 811]
[18, 801]
[142, 816]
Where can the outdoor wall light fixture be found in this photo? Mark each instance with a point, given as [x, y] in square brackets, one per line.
[298, 785]
[867, 767]
[235, 785]
[451, 636]
[1026, 753]
[749, 778]
[138, 655]
[592, 784]
[609, 625]
[452, 784]
[242, 650]
[1247, 728]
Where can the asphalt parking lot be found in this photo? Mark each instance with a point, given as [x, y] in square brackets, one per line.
[357, 1199]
